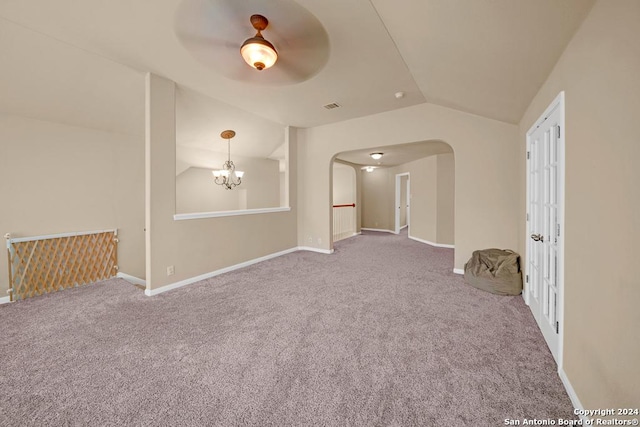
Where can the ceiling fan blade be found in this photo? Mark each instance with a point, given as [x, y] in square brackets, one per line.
[207, 41]
[233, 11]
[294, 70]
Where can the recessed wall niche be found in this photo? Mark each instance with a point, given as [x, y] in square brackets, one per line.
[258, 149]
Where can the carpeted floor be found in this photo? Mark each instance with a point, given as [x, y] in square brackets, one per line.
[379, 333]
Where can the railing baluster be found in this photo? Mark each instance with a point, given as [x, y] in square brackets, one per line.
[343, 221]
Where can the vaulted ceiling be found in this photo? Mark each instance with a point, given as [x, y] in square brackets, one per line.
[486, 57]
[483, 56]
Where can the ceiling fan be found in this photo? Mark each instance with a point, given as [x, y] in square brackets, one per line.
[213, 32]
[258, 52]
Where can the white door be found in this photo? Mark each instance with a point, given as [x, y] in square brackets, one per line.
[543, 275]
[408, 206]
[402, 192]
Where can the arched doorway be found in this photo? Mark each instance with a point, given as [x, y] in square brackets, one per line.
[425, 171]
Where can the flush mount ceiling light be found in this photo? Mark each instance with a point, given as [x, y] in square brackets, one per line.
[256, 51]
[376, 156]
[369, 168]
[228, 176]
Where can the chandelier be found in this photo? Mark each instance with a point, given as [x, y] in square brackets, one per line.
[228, 176]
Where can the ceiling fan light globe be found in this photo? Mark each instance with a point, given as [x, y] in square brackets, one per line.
[258, 53]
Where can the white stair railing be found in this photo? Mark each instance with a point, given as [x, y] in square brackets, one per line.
[344, 221]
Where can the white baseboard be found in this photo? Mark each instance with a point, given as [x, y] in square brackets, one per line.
[437, 245]
[309, 248]
[404, 226]
[5, 300]
[185, 282]
[458, 271]
[573, 396]
[345, 238]
[131, 279]
[379, 230]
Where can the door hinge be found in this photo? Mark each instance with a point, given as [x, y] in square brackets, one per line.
[558, 131]
[557, 327]
[558, 230]
[526, 278]
[528, 154]
[527, 217]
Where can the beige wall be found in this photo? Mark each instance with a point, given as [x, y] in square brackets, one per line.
[196, 190]
[193, 246]
[377, 199]
[359, 198]
[56, 178]
[599, 73]
[445, 232]
[424, 197]
[344, 184]
[282, 185]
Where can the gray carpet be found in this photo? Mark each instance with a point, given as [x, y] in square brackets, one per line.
[380, 333]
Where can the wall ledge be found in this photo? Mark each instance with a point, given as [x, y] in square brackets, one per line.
[200, 215]
[458, 271]
[5, 300]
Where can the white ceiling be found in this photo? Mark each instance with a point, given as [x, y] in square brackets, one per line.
[487, 57]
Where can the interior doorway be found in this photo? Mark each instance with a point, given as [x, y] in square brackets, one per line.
[544, 268]
[344, 193]
[402, 202]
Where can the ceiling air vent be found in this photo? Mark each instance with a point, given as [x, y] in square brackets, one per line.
[332, 106]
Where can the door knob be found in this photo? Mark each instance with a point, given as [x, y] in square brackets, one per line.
[537, 237]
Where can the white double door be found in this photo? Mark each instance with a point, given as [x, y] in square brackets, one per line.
[543, 280]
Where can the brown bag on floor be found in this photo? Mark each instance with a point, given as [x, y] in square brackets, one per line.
[494, 270]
